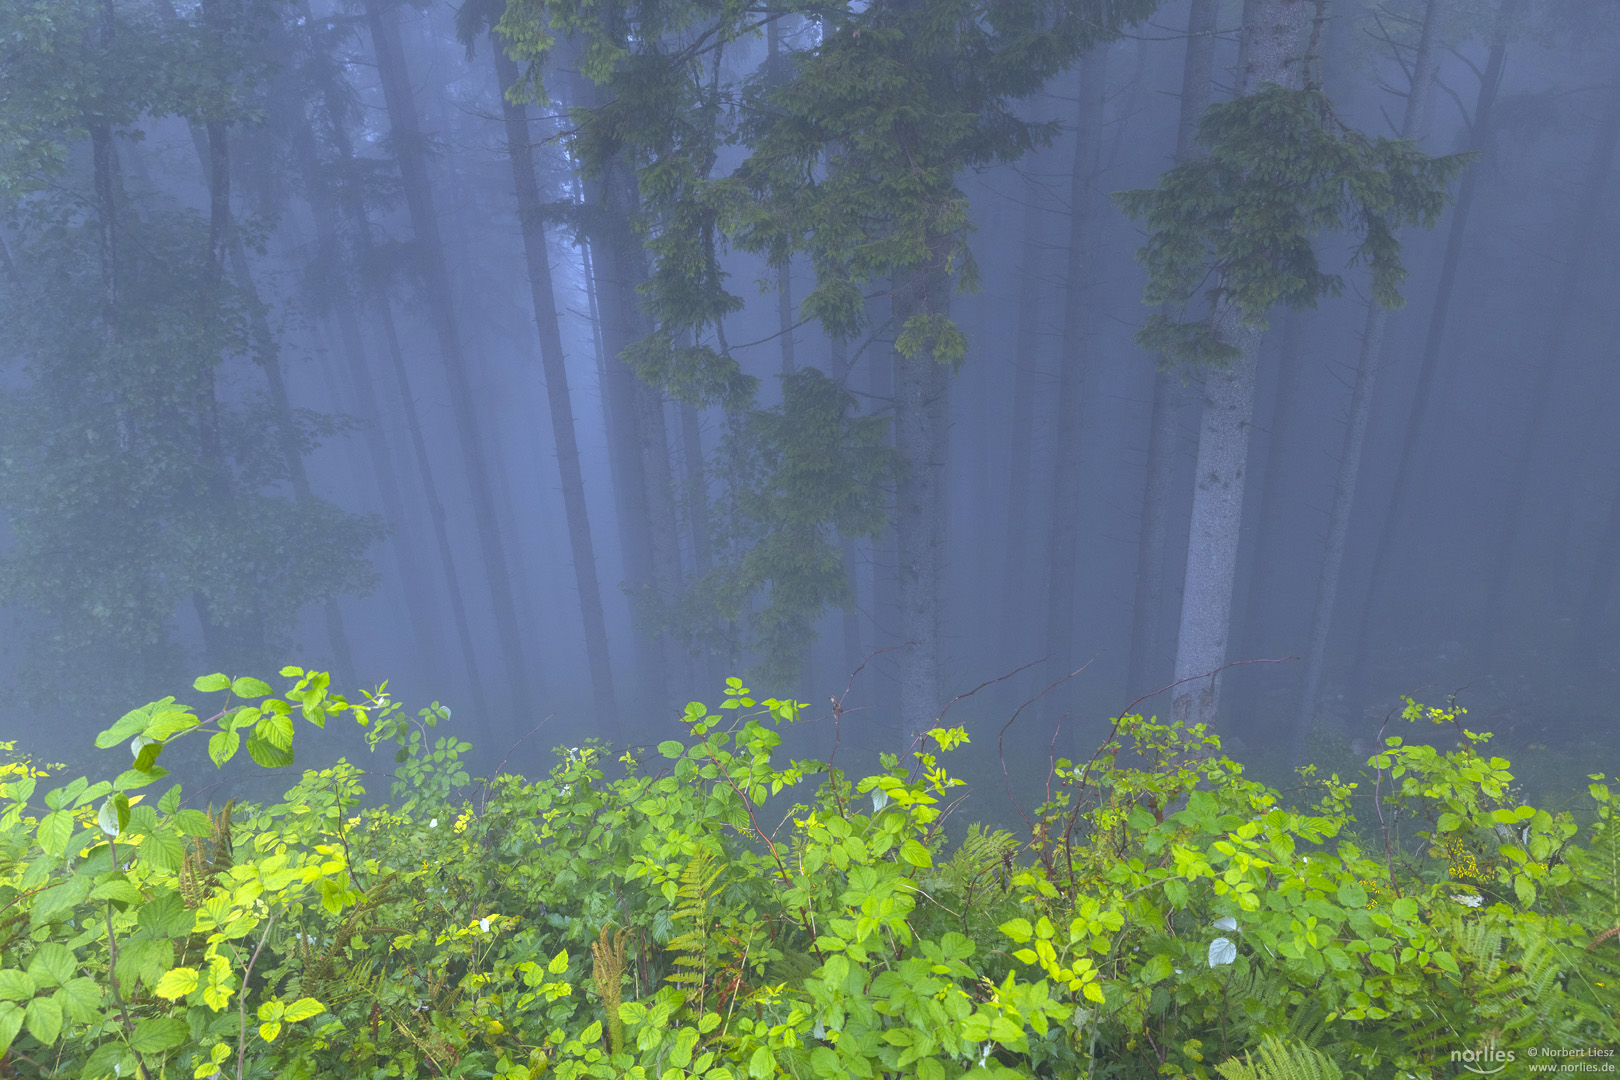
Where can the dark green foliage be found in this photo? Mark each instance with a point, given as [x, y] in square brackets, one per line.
[1280, 170]
[798, 476]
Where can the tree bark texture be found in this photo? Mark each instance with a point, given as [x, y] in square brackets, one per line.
[1270, 51]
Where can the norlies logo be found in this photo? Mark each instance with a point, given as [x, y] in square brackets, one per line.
[1486, 1061]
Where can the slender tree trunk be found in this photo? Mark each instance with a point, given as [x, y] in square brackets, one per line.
[921, 383]
[1063, 546]
[328, 209]
[412, 159]
[1169, 398]
[1553, 364]
[1270, 521]
[558, 397]
[1414, 126]
[1417, 417]
[1271, 51]
[838, 363]
[1016, 595]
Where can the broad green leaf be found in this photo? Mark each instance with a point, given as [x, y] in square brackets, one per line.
[275, 729]
[1018, 929]
[131, 723]
[11, 1022]
[56, 902]
[80, 999]
[55, 830]
[269, 1030]
[15, 985]
[170, 800]
[249, 687]
[762, 1065]
[156, 1034]
[915, 854]
[1525, 889]
[84, 796]
[670, 748]
[177, 983]
[1448, 822]
[163, 850]
[1158, 968]
[52, 964]
[268, 754]
[44, 1019]
[1352, 895]
[209, 684]
[171, 722]
[303, 1009]
[559, 963]
[222, 746]
[130, 779]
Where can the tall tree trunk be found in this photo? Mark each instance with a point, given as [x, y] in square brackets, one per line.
[1417, 417]
[1270, 522]
[1016, 593]
[1063, 545]
[1271, 51]
[614, 260]
[1414, 126]
[557, 394]
[410, 152]
[324, 208]
[214, 161]
[1553, 364]
[921, 383]
[839, 365]
[1169, 398]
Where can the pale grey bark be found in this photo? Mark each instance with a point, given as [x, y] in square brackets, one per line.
[1169, 396]
[1271, 51]
[1414, 126]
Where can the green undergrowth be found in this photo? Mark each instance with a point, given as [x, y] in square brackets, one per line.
[714, 911]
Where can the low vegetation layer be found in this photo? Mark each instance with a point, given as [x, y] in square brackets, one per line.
[716, 912]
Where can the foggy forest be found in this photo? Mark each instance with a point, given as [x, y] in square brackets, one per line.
[564, 373]
[1152, 396]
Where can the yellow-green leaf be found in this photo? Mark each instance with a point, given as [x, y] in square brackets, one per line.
[176, 983]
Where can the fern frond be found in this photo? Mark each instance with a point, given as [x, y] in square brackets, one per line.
[1281, 1060]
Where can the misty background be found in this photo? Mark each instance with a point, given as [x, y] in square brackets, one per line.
[313, 351]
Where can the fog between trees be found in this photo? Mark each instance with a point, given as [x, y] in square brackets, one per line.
[562, 360]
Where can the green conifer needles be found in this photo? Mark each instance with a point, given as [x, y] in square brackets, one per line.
[1280, 170]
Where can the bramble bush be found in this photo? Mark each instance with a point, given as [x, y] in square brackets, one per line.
[712, 916]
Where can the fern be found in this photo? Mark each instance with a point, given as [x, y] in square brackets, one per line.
[693, 946]
[608, 957]
[1592, 968]
[1281, 1060]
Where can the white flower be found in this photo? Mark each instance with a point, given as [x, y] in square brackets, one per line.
[483, 924]
[434, 824]
[1468, 899]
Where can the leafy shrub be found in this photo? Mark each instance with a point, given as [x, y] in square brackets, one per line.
[715, 918]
